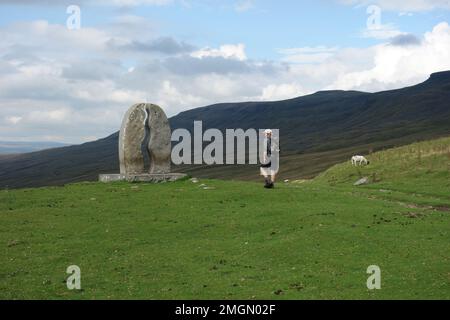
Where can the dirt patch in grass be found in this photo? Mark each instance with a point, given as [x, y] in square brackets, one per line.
[442, 208]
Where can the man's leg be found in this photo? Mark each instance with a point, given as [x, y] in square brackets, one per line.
[267, 182]
[273, 177]
[271, 181]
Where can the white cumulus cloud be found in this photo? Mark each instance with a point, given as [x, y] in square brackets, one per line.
[307, 54]
[77, 84]
[402, 5]
[227, 51]
[282, 91]
[395, 65]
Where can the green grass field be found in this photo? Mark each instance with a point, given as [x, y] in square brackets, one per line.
[235, 240]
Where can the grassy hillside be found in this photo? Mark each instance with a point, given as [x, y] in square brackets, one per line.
[420, 169]
[236, 240]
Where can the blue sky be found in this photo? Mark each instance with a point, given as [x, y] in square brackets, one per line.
[265, 26]
[184, 54]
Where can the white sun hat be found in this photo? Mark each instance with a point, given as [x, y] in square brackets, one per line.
[267, 131]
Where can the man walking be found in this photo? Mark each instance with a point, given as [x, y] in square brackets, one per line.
[269, 165]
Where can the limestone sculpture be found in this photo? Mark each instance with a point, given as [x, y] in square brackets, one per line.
[145, 133]
[144, 146]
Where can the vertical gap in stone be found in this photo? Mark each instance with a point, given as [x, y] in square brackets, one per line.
[144, 144]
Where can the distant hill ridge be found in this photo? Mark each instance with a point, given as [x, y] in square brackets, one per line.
[317, 131]
[10, 147]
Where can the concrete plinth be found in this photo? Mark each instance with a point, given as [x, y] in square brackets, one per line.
[153, 178]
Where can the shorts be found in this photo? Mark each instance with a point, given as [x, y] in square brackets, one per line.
[267, 171]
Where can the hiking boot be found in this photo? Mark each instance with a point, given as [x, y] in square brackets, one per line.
[268, 184]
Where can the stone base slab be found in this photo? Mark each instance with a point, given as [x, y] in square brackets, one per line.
[153, 178]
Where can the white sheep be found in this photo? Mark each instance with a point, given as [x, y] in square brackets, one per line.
[359, 160]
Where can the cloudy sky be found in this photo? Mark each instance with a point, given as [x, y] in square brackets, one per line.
[62, 83]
